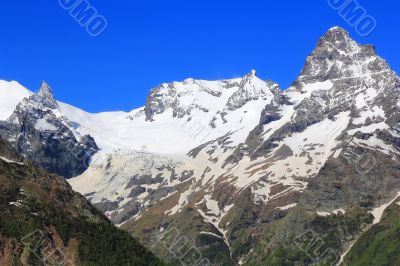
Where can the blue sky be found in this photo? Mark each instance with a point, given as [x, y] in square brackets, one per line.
[150, 42]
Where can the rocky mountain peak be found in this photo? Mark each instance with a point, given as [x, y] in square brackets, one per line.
[336, 35]
[251, 75]
[337, 40]
[338, 56]
[251, 88]
[45, 90]
[45, 96]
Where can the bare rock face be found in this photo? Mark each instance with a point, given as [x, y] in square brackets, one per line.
[337, 56]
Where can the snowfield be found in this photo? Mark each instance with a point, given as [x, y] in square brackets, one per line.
[11, 94]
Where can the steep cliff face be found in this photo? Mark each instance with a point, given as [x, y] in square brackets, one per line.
[44, 222]
[39, 132]
[337, 56]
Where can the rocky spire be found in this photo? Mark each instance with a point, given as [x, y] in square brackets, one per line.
[336, 35]
[45, 91]
[338, 56]
[45, 96]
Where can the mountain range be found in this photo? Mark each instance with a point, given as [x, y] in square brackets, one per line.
[247, 173]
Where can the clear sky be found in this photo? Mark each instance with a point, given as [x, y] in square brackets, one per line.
[150, 42]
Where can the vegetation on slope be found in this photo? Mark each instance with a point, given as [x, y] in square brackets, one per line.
[380, 245]
[42, 222]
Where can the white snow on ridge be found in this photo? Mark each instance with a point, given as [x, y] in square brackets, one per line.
[11, 94]
[209, 117]
[116, 131]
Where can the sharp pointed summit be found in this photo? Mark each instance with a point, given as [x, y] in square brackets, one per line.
[338, 56]
[45, 90]
[338, 39]
[45, 96]
[251, 88]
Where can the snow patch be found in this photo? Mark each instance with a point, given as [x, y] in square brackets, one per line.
[287, 207]
[183, 201]
[378, 212]
[10, 161]
[335, 212]
[210, 233]
[43, 125]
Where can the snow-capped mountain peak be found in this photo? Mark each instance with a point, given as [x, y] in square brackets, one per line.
[190, 96]
[251, 88]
